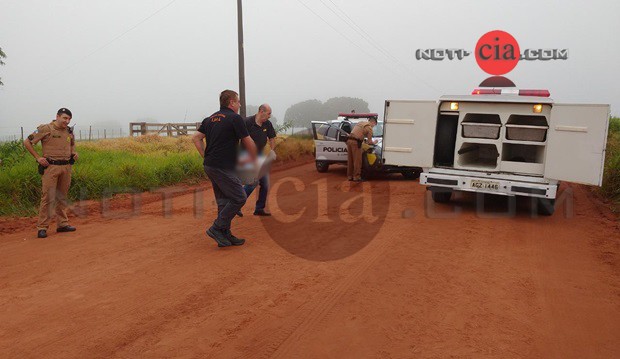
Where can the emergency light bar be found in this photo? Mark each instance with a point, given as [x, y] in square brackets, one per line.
[511, 91]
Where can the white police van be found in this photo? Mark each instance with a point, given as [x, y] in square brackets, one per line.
[330, 145]
[499, 141]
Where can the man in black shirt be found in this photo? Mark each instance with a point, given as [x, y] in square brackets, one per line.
[222, 131]
[261, 130]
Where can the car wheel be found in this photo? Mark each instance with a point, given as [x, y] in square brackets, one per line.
[322, 166]
[441, 195]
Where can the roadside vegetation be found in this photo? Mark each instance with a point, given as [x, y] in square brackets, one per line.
[611, 179]
[119, 165]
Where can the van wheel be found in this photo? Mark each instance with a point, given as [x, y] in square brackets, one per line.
[411, 175]
[546, 206]
[322, 166]
[441, 195]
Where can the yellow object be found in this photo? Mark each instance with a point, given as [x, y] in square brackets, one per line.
[537, 108]
[372, 158]
[454, 106]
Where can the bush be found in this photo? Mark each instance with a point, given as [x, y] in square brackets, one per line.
[611, 178]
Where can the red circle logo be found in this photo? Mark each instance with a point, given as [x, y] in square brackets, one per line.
[497, 52]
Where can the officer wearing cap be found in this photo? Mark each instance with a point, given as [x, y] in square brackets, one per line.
[59, 154]
[362, 129]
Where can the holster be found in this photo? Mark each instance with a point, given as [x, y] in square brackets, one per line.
[41, 169]
[359, 143]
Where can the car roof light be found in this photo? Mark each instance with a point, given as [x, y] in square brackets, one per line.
[538, 93]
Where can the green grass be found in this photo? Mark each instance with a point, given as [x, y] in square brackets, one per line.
[121, 165]
[611, 178]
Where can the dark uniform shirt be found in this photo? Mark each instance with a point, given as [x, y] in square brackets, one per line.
[259, 134]
[223, 130]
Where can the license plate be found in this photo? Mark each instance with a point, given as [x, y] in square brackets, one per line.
[485, 185]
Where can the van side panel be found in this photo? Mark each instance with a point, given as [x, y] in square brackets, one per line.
[576, 143]
[409, 128]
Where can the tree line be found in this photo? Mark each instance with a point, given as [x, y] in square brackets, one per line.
[303, 113]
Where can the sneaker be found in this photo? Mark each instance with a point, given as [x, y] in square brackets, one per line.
[262, 212]
[234, 240]
[42, 233]
[220, 237]
[66, 229]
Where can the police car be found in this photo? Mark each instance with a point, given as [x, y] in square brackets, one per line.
[331, 149]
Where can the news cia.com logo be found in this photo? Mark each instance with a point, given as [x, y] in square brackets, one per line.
[497, 53]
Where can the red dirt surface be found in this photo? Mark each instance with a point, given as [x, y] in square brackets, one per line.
[473, 285]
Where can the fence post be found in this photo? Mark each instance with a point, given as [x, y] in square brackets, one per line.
[80, 135]
[22, 133]
[104, 134]
[90, 133]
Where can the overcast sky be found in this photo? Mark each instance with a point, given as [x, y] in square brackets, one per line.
[112, 62]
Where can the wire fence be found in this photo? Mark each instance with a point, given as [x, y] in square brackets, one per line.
[89, 133]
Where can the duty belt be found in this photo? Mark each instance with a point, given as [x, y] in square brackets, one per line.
[58, 162]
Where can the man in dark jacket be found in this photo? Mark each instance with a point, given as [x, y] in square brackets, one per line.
[222, 132]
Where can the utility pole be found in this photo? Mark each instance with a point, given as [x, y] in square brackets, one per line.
[241, 58]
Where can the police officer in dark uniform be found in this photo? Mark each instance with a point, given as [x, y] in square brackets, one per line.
[222, 132]
[55, 167]
[261, 130]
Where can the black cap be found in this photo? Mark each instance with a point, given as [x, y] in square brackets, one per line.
[65, 111]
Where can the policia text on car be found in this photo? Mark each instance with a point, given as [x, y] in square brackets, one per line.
[59, 154]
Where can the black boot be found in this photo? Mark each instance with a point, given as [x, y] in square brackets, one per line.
[220, 237]
[42, 233]
[234, 240]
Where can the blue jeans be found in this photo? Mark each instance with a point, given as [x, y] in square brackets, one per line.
[263, 182]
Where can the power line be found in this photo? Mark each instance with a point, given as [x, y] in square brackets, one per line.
[110, 42]
[363, 33]
[371, 41]
[346, 37]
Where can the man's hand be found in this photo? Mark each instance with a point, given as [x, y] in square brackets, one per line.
[43, 162]
[374, 142]
[75, 156]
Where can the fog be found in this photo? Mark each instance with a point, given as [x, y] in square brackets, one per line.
[113, 62]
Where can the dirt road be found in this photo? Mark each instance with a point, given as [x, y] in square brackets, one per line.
[431, 282]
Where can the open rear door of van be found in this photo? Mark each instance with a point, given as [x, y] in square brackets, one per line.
[409, 133]
[576, 143]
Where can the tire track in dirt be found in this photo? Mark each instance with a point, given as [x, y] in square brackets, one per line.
[310, 315]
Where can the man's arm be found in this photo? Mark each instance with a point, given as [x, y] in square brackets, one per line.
[272, 143]
[41, 160]
[198, 138]
[369, 136]
[249, 146]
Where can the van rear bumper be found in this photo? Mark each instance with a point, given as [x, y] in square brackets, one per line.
[489, 185]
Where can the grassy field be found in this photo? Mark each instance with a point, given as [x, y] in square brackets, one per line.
[119, 165]
[611, 180]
